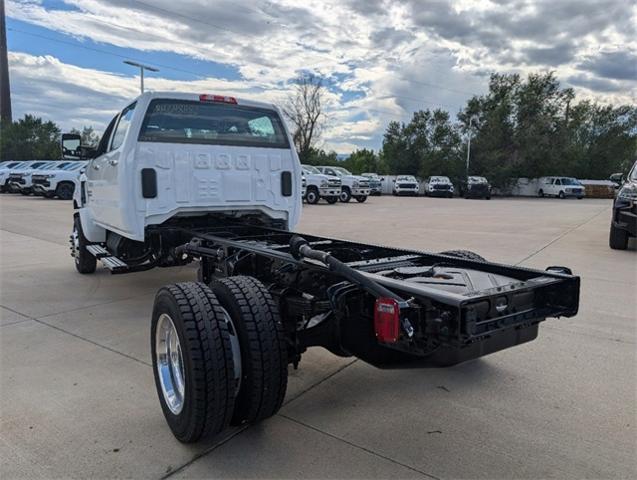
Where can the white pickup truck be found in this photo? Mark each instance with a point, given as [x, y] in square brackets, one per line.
[352, 185]
[59, 181]
[319, 185]
[437, 186]
[6, 168]
[181, 178]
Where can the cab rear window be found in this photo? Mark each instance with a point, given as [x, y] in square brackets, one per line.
[184, 121]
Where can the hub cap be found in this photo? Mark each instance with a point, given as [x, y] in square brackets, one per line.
[170, 365]
[75, 245]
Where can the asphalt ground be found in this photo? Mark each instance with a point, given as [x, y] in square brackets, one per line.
[77, 397]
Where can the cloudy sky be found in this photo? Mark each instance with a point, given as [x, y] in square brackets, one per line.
[381, 59]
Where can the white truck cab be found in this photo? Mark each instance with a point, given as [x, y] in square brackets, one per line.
[352, 185]
[438, 186]
[319, 185]
[167, 155]
[561, 187]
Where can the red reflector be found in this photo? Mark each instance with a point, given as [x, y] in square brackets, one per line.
[387, 320]
[217, 98]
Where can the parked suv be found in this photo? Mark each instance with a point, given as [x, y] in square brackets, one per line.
[624, 222]
[375, 183]
[20, 179]
[59, 181]
[351, 185]
[405, 185]
[5, 170]
[561, 187]
[437, 186]
[320, 186]
[475, 187]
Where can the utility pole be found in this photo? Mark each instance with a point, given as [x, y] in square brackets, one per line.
[471, 118]
[5, 91]
[141, 69]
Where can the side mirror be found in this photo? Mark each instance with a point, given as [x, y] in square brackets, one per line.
[617, 178]
[382, 179]
[71, 146]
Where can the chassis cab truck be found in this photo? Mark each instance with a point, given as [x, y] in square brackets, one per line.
[180, 178]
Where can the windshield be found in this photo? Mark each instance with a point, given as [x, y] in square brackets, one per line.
[73, 166]
[477, 180]
[633, 173]
[405, 178]
[439, 180]
[373, 176]
[186, 121]
[341, 171]
[569, 181]
[311, 169]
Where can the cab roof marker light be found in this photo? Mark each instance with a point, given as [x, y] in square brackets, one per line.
[217, 98]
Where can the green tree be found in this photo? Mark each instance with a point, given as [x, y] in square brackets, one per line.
[362, 161]
[30, 138]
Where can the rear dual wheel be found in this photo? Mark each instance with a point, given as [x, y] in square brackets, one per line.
[219, 355]
[361, 199]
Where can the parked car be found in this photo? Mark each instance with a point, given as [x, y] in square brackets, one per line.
[375, 183]
[351, 185]
[561, 187]
[405, 185]
[5, 170]
[624, 221]
[320, 186]
[475, 187]
[437, 186]
[58, 181]
[19, 180]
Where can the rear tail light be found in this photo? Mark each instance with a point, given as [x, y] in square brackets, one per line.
[217, 98]
[387, 320]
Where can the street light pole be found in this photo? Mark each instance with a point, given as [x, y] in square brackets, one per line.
[141, 69]
[469, 143]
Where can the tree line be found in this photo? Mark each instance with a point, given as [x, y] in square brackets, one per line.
[520, 128]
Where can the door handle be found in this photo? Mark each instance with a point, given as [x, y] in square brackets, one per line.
[113, 162]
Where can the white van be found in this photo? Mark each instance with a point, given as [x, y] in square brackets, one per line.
[561, 187]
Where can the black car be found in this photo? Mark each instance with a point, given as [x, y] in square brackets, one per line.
[475, 187]
[624, 222]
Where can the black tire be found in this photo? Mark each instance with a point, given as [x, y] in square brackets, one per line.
[64, 191]
[209, 383]
[618, 238]
[84, 261]
[540, 193]
[264, 363]
[25, 192]
[345, 195]
[465, 254]
[488, 197]
[331, 200]
[450, 195]
[361, 199]
[561, 195]
[49, 195]
[312, 196]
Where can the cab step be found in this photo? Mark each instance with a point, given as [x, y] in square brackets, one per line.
[114, 264]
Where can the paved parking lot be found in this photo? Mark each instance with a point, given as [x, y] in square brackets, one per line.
[77, 397]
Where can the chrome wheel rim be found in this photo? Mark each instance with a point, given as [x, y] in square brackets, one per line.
[75, 245]
[170, 365]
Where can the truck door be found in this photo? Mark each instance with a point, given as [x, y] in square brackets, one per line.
[104, 181]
